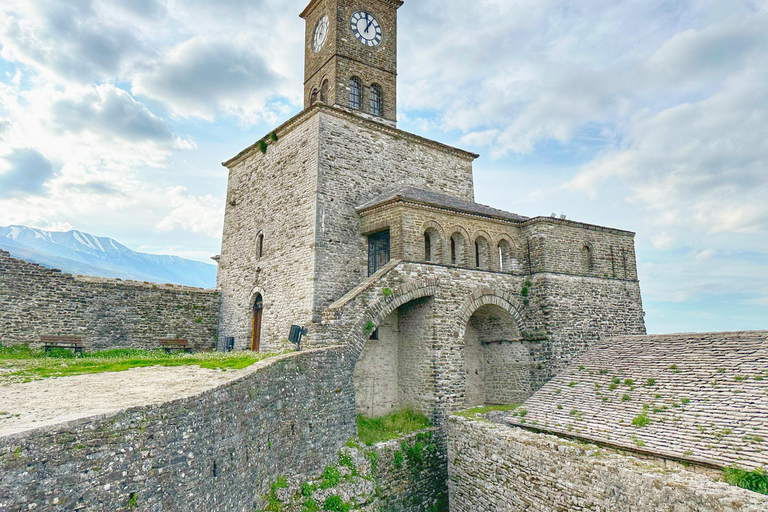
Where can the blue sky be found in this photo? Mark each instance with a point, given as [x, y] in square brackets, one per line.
[646, 115]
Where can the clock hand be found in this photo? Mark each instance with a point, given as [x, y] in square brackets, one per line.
[369, 23]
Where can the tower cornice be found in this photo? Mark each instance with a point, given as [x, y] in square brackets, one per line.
[306, 12]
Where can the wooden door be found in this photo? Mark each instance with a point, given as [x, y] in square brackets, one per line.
[258, 307]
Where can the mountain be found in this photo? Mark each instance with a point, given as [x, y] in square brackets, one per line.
[79, 253]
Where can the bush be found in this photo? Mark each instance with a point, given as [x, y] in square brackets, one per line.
[755, 481]
[335, 504]
[331, 478]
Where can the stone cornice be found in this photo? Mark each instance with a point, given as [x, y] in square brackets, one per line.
[302, 116]
[305, 13]
[573, 223]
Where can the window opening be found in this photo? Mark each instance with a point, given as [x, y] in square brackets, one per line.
[378, 251]
[355, 93]
[427, 247]
[376, 100]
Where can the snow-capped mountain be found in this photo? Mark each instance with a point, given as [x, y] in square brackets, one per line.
[76, 252]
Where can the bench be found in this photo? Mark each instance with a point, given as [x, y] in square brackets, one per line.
[73, 342]
[171, 345]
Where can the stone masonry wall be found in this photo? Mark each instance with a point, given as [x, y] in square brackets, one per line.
[271, 194]
[559, 318]
[106, 313]
[218, 451]
[358, 161]
[494, 467]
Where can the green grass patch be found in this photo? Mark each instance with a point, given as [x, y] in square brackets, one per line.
[756, 481]
[641, 420]
[26, 364]
[485, 409]
[393, 426]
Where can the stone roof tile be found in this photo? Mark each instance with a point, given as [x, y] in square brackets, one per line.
[427, 197]
[696, 397]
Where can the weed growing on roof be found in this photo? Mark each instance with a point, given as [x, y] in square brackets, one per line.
[572, 384]
[685, 400]
[641, 420]
[650, 382]
[625, 398]
[603, 372]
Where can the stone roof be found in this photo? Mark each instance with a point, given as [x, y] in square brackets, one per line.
[427, 197]
[696, 397]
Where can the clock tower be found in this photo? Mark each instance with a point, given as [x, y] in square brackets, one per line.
[351, 56]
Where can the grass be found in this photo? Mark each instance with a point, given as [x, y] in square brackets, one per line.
[756, 481]
[397, 424]
[22, 364]
[485, 409]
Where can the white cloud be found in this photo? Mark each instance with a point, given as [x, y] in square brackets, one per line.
[200, 76]
[195, 214]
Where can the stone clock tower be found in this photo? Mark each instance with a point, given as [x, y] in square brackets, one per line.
[351, 56]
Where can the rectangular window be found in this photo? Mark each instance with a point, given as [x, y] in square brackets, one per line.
[378, 251]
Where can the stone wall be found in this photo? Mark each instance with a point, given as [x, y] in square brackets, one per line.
[493, 467]
[216, 451]
[273, 195]
[559, 318]
[106, 313]
[358, 161]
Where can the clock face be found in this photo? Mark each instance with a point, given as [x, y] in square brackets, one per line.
[366, 28]
[321, 34]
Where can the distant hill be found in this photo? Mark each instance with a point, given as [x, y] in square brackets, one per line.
[79, 253]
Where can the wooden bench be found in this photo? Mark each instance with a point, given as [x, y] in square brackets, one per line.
[171, 345]
[73, 342]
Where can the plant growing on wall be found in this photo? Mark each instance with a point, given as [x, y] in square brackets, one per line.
[273, 136]
[262, 146]
[387, 292]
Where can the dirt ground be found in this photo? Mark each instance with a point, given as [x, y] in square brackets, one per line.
[47, 402]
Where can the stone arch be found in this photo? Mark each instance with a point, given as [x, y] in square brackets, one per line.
[485, 296]
[482, 250]
[496, 361]
[383, 307]
[505, 254]
[457, 247]
[436, 235]
[393, 369]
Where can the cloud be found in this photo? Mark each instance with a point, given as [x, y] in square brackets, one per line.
[196, 214]
[702, 164]
[201, 76]
[106, 109]
[27, 172]
[75, 40]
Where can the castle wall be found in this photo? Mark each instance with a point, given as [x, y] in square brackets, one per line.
[216, 451]
[106, 313]
[271, 194]
[494, 467]
[357, 162]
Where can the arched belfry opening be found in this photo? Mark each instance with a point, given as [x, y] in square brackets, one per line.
[393, 371]
[258, 309]
[497, 362]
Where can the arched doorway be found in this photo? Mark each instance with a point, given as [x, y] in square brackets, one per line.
[393, 371]
[497, 362]
[258, 308]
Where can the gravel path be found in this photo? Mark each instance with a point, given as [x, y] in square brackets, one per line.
[51, 401]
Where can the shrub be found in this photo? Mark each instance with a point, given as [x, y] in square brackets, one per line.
[755, 481]
[398, 459]
[345, 459]
[335, 504]
[273, 136]
[387, 292]
[331, 478]
[306, 490]
[369, 326]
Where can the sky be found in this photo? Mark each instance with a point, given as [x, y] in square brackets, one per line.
[646, 115]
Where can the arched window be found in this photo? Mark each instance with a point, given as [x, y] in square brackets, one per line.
[507, 262]
[260, 246]
[355, 93]
[377, 100]
[313, 97]
[482, 253]
[588, 258]
[324, 92]
[457, 249]
[432, 245]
